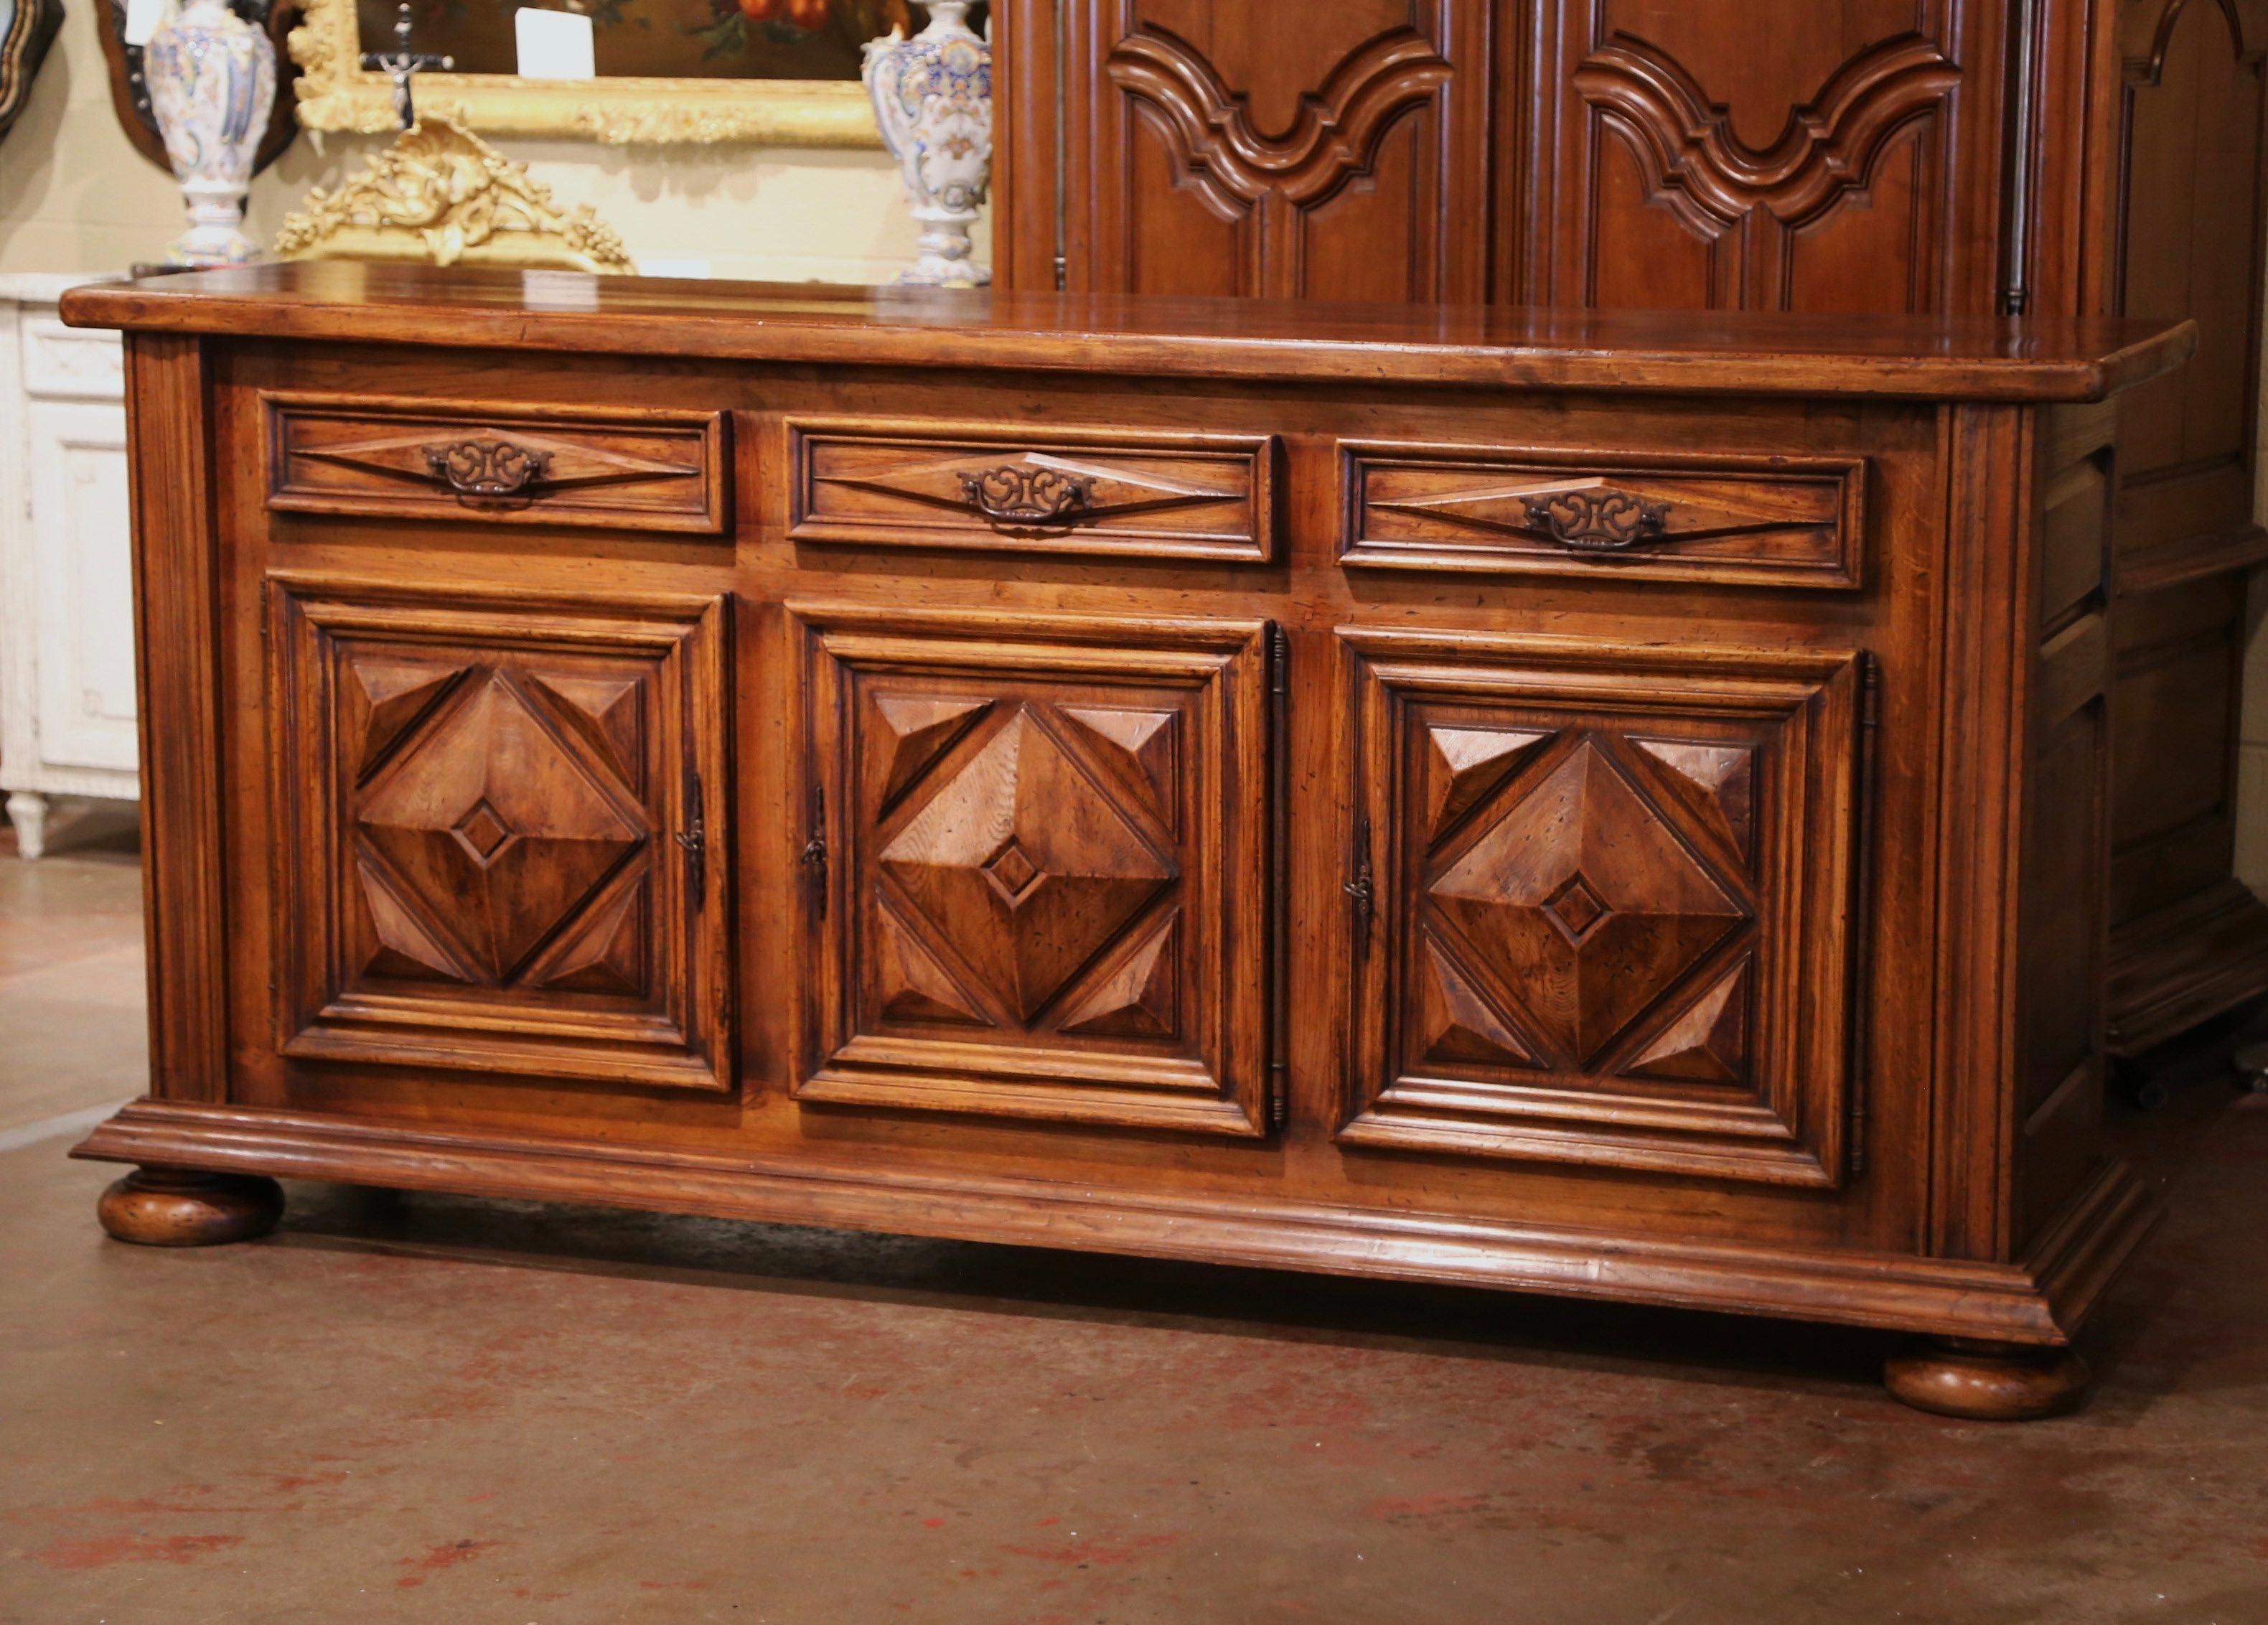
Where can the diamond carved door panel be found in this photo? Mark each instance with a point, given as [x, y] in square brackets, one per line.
[1600, 903]
[504, 830]
[1036, 866]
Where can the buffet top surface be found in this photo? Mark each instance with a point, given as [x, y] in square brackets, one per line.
[1254, 340]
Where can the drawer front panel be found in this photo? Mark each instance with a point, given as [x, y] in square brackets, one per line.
[1065, 491]
[1795, 521]
[1600, 903]
[1037, 867]
[588, 467]
[504, 832]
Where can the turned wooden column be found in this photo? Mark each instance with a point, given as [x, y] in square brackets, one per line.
[1987, 1381]
[183, 1207]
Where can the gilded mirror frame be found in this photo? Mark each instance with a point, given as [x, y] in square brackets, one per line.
[337, 94]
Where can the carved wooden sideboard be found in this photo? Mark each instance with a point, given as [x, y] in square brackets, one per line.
[1613, 805]
[2055, 157]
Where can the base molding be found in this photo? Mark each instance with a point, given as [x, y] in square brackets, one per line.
[2039, 1302]
[2184, 965]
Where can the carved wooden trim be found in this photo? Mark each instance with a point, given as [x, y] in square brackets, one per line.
[1827, 147]
[2042, 1300]
[492, 462]
[932, 484]
[1334, 138]
[1725, 518]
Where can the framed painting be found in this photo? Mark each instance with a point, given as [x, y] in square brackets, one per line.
[777, 71]
[27, 27]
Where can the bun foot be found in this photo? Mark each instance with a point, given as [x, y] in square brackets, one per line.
[1986, 1381]
[179, 1208]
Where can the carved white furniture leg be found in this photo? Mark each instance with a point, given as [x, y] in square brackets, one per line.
[27, 811]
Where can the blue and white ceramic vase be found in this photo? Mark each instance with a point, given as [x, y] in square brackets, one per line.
[933, 100]
[212, 82]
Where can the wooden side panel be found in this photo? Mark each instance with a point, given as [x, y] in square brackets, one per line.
[2063, 914]
[1216, 150]
[180, 644]
[1037, 869]
[1723, 154]
[1602, 903]
[500, 822]
[2187, 142]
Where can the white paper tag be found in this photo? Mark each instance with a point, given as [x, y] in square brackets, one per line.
[142, 19]
[559, 291]
[554, 45]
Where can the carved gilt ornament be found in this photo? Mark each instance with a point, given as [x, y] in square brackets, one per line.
[442, 195]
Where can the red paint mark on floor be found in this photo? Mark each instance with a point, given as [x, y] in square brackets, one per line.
[446, 1555]
[108, 1551]
[932, 1523]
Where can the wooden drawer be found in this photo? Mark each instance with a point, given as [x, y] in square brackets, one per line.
[588, 467]
[1732, 519]
[1070, 491]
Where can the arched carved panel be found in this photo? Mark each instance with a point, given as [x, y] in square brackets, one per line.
[1838, 171]
[1610, 900]
[1340, 169]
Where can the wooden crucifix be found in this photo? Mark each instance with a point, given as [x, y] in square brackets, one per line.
[402, 63]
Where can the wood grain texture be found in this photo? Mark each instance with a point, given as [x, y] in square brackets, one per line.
[1041, 891]
[1616, 889]
[2057, 157]
[179, 641]
[1788, 521]
[2019, 1303]
[1067, 491]
[1978, 358]
[619, 470]
[1680, 960]
[487, 808]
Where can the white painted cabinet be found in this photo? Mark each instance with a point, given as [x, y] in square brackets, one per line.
[66, 573]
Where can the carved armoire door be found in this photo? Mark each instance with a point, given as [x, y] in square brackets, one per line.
[1730, 155]
[1319, 151]
[502, 833]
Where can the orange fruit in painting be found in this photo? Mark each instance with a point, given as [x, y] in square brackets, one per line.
[759, 10]
[807, 13]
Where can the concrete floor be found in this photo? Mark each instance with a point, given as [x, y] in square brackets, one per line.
[441, 1410]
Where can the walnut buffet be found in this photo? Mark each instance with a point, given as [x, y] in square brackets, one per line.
[1608, 804]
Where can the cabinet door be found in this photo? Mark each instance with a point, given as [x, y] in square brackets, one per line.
[85, 586]
[503, 826]
[1332, 151]
[1600, 898]
[1724, 155]
[1037, 866]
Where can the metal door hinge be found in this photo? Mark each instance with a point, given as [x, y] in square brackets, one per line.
[1363, 889]
[1862, 957]
[813, 858]
[693, 841]
[1279, 873]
